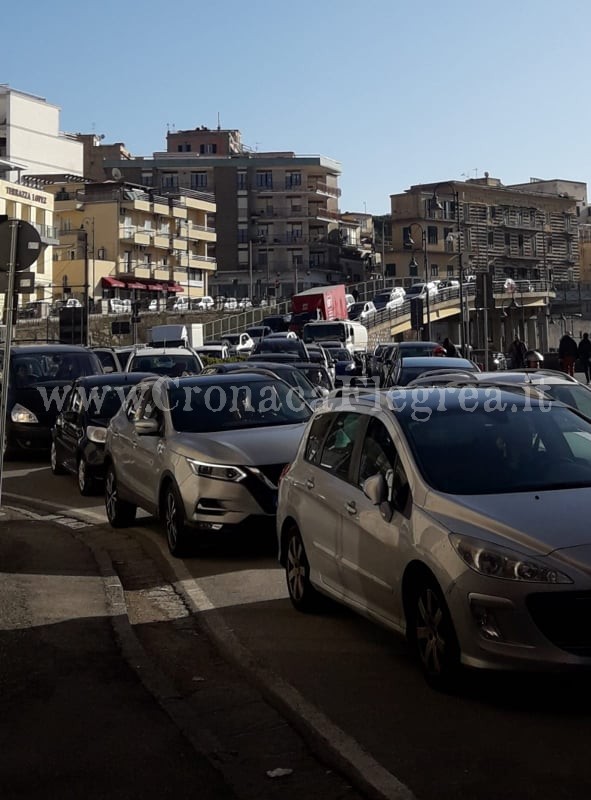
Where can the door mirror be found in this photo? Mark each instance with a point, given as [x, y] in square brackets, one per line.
[108, 369]
[70, 416]
[323, 391]
[147, 427]
[401, 498]
[375, 489]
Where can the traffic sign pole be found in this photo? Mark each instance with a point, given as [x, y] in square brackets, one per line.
[10, 297]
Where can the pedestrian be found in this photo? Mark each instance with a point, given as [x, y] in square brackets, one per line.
[567, 353]
[517, 352]
[584, 353]
[450, 348]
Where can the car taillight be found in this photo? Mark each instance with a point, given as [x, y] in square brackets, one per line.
[439, 351]
[284, 472]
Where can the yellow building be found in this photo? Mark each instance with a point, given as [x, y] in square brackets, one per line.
[31, 205]
[123, 242]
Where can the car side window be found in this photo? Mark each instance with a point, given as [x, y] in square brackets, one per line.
[378, 454]
[135, 402]
[338, 446]
[316, 437]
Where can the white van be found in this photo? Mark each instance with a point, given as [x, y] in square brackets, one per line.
[352, 334]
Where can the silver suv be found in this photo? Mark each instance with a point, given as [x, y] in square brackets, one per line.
[202, 452]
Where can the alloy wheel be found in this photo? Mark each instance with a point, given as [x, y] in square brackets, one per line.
[296, 569]
[171, 520]
[111, 495]
[430, 632]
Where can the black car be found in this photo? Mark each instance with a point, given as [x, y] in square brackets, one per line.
[279, 323]
[79, 434]
[291, 375]
[288, 346]
[40, 378]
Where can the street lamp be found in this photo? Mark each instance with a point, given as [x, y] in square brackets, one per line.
[413, 263]
[437, 204]
[87, 221]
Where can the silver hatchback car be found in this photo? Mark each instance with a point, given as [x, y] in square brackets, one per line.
[202, 453]
[459, 517]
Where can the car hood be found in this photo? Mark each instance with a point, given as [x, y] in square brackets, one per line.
[534, 522]
[276, 444]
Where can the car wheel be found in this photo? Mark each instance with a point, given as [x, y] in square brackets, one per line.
[302, 594]
[56, 467]
[86, 482]
[174, 522]
[432, 632]
[120, 513]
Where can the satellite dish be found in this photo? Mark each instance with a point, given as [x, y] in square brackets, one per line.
[117, 174]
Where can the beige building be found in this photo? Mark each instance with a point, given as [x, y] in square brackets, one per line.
[36, 207]
[516, 232]
[123, 242]
[278, 215]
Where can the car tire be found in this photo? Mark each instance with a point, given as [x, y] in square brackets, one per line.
[175, 524]
[56, 467]
[87, 484]
[120, 513]
[302, 594]
[433, 636]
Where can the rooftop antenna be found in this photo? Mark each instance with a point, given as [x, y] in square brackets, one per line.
[219, 123]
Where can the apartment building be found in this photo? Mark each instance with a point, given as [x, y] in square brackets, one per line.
[277, 212]
[30, 138]
[515, 232]
[36, 207]
[123, 242]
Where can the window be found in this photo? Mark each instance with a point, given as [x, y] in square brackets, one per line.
[208, 149]
[378, 454]
[520, 244]
[432, 234]
[316, 436]
[294, 230]
[293, 179]
[450, 270]
[491, 238]
[338, 447]
[434, 270]
[406, 238]
[549, 244]
[507, 240]
[170, 180]
[317, 259]
[183, 148]
[265, 180]
[242, 181]
[297, 259]
[198, 180]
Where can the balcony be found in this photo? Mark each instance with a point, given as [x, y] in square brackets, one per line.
[48, 233]
[179, 275]
[325, 214]
[161, 240]
[179, 209]
[142, 237]
[161, 273]
[127, 234]
[319, 187]
[67, 201]
[142, 271]
[202, 233]
[177, 243]
[160, 205]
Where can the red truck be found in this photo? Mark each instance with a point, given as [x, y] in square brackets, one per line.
[322, 302]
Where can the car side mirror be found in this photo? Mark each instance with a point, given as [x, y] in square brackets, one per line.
[375, 488]
[70, 416]
[108, 370]
[147, 427]
[401, 498]
[323, 391]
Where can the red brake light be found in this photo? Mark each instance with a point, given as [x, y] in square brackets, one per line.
[439, 351]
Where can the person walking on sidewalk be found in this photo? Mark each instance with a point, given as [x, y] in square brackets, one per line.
[567, 353]
[584, 353]
[517, 353]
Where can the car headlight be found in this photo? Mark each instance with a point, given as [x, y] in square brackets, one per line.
[96, 434]
[21, 414]
[497, 562]
[219, 472]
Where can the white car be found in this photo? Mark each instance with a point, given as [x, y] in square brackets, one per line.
[238, 343]
[419, 291]
[231, 304]
[245, 303]
[397, 299]
[175, 362]
[117, 306]
[363, 311]
[204, 304]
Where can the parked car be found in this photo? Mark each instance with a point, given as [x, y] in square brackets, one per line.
[80, 430]
[407, 369]
[202, 464]
[172, 361]
[363, 311]
[218, 351]
[118, 306]
[468, 533]
[205, 304]
[245, 303]
[40, 377]
[230, 304]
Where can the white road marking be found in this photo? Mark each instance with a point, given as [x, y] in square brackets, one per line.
[22, 473]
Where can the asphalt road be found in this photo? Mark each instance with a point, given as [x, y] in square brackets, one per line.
[501, 736]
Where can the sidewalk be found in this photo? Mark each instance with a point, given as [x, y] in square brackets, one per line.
[75, 720]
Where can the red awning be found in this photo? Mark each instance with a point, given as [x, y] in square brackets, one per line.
[132, 285]
[156, 287]
[175, 287]
[113, 283]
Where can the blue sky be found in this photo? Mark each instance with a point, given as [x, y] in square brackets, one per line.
[397, 92]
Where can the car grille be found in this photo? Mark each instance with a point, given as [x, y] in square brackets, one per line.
[564, 618]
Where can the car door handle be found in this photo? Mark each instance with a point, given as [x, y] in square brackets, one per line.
[310, 483]
[351, 507]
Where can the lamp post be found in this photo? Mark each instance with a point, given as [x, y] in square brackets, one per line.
[437, 204]
[413, 263]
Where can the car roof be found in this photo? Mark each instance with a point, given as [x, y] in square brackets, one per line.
[49, 347]
[404, 345]
[436, 362]
[220, 379]
[113, 379]
[163, 351]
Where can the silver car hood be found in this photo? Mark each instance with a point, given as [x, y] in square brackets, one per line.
[248, 446]
[535, 522]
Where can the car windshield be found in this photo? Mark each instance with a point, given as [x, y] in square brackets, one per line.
[103, 402]
[571, 395]
[356, 308]
[317, 376]
[172, 365]
[32, 369]
[225, 406]
[286, 345]
[408, 374]
[317, 332]
[341, 355]
[416, 289]
[485, 448]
